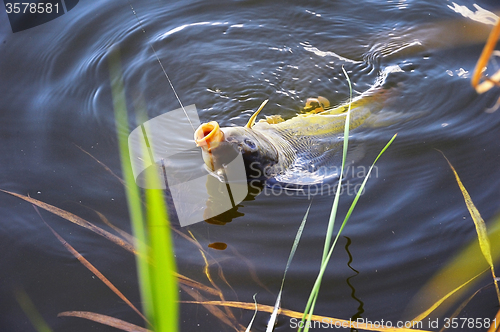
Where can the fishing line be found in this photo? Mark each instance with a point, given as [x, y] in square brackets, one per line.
[161, 65]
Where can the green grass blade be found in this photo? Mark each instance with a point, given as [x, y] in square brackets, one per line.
[356, 198]
[131, 190]
[482, 233]
[362, 187]
[274, 315]
[333, 211]
[157, 284]
[30, 310]
[161, 260]
[164, 283]
[317, 284]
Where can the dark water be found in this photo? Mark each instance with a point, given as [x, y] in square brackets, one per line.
[226, 58]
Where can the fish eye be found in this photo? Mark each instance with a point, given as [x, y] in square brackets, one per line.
[249, 143]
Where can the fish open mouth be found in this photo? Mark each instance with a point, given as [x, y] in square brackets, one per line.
[208, 135]
[219, 147]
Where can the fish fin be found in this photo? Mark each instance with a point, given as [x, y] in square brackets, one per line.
[251, 121]
[316, 105]
[273, 119]
[313, 106]
[324, 102]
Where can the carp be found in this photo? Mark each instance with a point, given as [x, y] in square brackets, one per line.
[288, 151]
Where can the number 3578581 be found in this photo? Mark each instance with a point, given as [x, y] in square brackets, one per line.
[31, 8]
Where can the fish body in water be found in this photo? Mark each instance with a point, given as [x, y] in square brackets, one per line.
[290, 151]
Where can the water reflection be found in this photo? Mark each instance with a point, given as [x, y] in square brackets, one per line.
[361, 310]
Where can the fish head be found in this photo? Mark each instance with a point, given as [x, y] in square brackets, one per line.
[220, 146]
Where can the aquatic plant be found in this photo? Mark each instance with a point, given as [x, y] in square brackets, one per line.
[151, 243]
[464, 269]
[31, 311]
[329, 245]
[307, 316]
[155, 258]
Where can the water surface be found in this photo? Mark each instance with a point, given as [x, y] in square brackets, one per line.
[227, 58]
